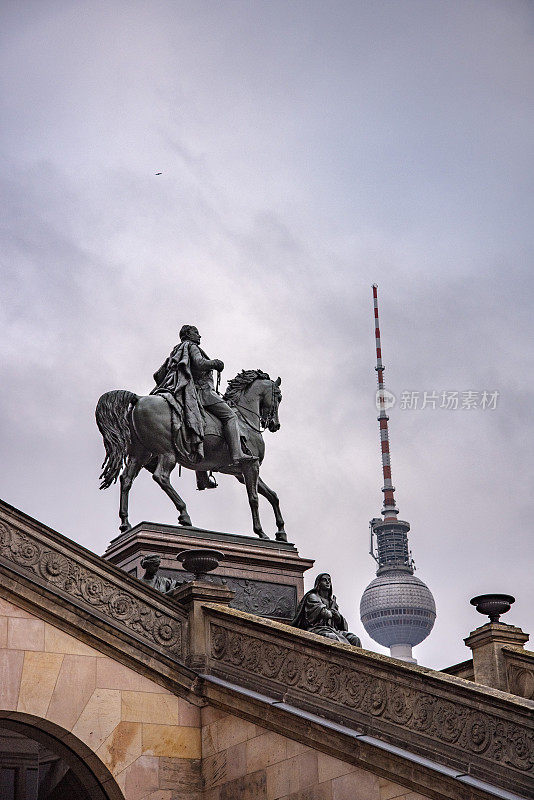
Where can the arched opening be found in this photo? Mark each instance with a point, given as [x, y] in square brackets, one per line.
[41, 761]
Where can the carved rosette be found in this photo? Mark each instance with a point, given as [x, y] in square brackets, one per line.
[62, 572]
[54, 567]
[122, 606]
[166, 633]
[348, 688]
[25, 552]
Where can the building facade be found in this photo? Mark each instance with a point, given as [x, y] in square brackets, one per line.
[110, 690]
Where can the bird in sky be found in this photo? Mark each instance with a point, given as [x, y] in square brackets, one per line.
[159, 173]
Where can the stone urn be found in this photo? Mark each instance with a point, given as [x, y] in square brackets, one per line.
[200, 561]
[493, 604]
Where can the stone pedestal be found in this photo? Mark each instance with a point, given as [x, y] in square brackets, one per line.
[265, 575]
[489, 662]
[191, 596]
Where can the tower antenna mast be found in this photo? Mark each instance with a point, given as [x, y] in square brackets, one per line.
[389, 511]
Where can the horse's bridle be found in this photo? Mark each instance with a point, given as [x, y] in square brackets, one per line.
[263, 421]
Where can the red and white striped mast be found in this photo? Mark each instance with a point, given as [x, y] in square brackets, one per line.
[397, 609]
[390, 510]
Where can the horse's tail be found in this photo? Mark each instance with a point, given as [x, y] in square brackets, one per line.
[112, 420]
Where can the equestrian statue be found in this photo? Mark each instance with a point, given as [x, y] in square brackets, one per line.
[184, 420]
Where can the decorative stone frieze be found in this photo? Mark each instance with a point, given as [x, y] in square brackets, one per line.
[267, 599]
[390, 701]
[56, 564]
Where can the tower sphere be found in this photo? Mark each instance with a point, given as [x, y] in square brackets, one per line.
[397, 609]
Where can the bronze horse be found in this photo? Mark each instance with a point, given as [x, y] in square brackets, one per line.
[138, 432]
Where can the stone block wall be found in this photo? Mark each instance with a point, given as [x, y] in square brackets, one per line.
[158, 746]
[148, 738]
[242, 760]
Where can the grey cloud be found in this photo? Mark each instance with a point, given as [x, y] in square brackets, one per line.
[305, 154]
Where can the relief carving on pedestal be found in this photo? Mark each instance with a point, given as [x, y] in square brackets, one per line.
[273, 600]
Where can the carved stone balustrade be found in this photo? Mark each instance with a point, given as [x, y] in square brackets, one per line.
[483, 733]
[74, 581]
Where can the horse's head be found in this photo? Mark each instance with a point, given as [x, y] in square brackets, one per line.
[271, 398]
[253, 390]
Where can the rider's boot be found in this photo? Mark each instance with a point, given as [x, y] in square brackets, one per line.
[233, 440]
[205, 481]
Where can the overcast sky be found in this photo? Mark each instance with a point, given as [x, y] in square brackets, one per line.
[307, 150]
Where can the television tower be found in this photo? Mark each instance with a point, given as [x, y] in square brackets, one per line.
[397, 609]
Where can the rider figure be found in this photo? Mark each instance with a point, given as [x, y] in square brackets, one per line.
[202, 371]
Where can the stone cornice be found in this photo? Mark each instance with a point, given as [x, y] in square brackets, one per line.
[241, 550]
[527, 656]
[496, 632]
[485, 733]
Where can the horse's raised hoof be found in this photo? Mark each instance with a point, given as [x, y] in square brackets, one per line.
[281, 536]
[125, 527]
[185, 520]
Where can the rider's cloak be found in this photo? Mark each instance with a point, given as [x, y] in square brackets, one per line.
[175, 383]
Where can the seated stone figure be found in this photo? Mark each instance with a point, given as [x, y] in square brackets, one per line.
[318, 612]
[151, 566]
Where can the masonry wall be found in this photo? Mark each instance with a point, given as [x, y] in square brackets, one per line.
[148, 738]
[158, 746]
[243, 761]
